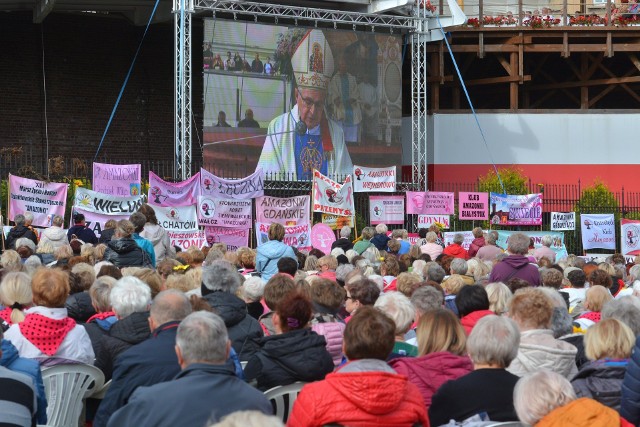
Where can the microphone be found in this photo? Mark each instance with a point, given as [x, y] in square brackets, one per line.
[300, 129]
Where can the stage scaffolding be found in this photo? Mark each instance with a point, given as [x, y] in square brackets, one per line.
[414, 21]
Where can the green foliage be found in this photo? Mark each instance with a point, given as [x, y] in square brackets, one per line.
[597, 198]
[513, 178]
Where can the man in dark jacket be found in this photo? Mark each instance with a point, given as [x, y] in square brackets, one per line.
[220, 281]
[203, 392]
[343, 242]
[150, 362]
[20, 230]
[81, 231]
[130, 300]
[516, 264]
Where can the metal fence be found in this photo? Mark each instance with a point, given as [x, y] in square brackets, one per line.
[556, 197]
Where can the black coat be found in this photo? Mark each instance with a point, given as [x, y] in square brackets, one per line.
[16, 233]
[244, 330]
[286, 358]
[125, 252]
[342, 243]
[106, 235]
[150, 362]
[126, 332]
[79, 307]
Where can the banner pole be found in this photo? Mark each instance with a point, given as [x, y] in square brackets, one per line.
[8, 198]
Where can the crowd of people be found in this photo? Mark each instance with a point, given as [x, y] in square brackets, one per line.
[236, 62]
[381, 331]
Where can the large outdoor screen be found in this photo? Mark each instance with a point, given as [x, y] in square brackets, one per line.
[290, 99]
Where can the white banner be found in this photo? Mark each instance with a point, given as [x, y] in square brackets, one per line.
[381, 180]
[225, 212]
[386, 209]
[245, 188]
[331, 197]
[598, 231]
[96, 221]
[598, 258]
[106, 204]
[177, 219]
[630, 236]
[426, 221]
[562, 221]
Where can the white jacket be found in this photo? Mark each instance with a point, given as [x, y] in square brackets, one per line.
[159, 237]
[55, 236]
[540, 350]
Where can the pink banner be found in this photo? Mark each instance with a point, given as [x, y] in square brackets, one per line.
[232, 237]
[331, 197]
[297, 236]
[473, 206]
[322, 236]
[186, 239]
[287, 211]
[431, 202]
[117, 180]
[386, 209]
[42, 199]
[163, 193]
[245, 188]
[96, 221]
[225, 212]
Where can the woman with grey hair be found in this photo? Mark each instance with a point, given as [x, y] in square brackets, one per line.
[490, 250]
[343, 242]
[545, 398]
[455, 249]
[545, 250]
[516, 264]
[123, 251]
[477, 243]
[55, 235]
[431, 248]
[492, 345]
[380, 240]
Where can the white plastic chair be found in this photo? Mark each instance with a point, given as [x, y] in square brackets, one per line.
[282, 398]
[66, 387]
[99, 394]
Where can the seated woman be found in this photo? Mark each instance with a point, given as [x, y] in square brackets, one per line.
[608, 345]
[559, 405]
[16, 296]
[360, 293]
[399, 308]
[492, 345]
[327, 298]
[532, 310]
[47, 331]
[441, 353]
[295, 353]
[597, 296]
[366, 391]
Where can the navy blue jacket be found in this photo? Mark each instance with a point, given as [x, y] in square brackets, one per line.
[630, 404]
[150, 362]
[83, 233]
[199, 395]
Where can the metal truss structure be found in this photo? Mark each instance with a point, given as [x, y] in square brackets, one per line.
[419, 25]
[183, 13]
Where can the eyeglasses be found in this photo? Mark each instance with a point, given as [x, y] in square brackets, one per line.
[308, 102]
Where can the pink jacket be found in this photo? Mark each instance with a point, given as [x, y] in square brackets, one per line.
[333, 333]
